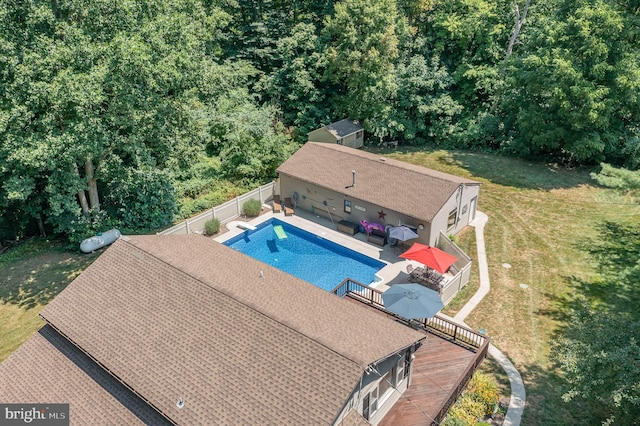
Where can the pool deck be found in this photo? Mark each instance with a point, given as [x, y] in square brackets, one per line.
[395, 271]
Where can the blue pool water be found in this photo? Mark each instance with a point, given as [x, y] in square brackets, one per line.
[323, 263]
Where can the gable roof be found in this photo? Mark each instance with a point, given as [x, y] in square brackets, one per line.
[343, 128]
[406, 188]
[47, 368]
[185, 317]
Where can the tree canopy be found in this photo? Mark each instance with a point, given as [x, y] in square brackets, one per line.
[102, 100]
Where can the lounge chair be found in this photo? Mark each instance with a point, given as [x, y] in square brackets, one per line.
[277, 203]
[288, 207]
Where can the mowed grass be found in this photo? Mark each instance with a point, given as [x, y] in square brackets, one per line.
[30, 276]
[541, 221]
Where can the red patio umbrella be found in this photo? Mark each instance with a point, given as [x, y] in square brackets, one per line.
[431, 257]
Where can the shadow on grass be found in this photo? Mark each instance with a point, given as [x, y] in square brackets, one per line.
[617, 253]
[36, 279]
[545, 406]
[613, 298]
[518, 173]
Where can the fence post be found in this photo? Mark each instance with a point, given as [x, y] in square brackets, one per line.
[186, 224]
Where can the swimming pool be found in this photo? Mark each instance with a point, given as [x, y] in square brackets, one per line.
[321, 262]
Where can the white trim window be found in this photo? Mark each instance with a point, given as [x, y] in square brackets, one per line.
[400, 371]
[375, 399]
[370, 404]
[451, 221]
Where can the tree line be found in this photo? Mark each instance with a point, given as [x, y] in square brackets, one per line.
[112, 113]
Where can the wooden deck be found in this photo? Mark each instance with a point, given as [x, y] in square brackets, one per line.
[437, 369]
[442, 367]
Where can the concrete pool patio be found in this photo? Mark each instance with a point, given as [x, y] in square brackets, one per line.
[393, 273]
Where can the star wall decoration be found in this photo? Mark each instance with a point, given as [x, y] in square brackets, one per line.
[381, 214]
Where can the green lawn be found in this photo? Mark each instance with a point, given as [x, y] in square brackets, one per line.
[541, 219]
[30, 276]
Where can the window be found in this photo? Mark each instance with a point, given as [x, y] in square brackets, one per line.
[359, 134]
[376, 398]
[373, 401]
[451, 222]
[340, 141]
[365, 407]
[347, 206]
[400, 374]
[385, 388]
[370, 404]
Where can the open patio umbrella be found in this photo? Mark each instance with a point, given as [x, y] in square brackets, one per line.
[431, 257]
[412, 301]
[402, 233]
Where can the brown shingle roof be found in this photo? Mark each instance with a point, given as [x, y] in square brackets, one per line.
[406, 188]
[48, 369]
[184, 316]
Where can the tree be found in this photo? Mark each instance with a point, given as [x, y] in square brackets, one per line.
[91, 89]
[575, 95]
[600, 358]
[361, 48]
[295, 87]
[599, 352]
[423, 109]
[244, 137]
[520, 19]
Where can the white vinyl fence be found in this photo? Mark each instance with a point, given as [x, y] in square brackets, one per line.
[224, 212]
[461, 269]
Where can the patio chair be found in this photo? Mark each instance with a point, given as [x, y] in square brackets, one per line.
[277, 203]
[288, 207]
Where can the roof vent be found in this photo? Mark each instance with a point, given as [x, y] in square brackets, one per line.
[180, 403]
[353, 182]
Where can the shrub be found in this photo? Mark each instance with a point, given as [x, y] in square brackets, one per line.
[252, 207]
[212, 226]
[484, 389]
[477, 401]
[466, 411]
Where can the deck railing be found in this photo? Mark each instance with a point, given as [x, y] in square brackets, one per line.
[436, 325]
[462, 384]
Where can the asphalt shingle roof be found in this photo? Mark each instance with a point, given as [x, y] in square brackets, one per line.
[343, 128]
[185, 317]
[47, 369]
[406, 188]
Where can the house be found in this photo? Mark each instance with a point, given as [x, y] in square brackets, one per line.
[351, 185]
[180, 329]
[344, 132]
